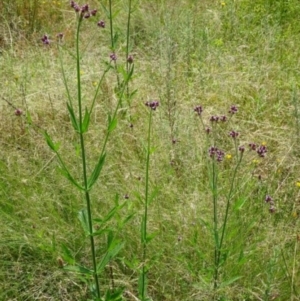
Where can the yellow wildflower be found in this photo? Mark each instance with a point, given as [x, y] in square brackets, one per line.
[228, 156]
[298, 184]
[223, 3]
[264, 143]
[255, 161]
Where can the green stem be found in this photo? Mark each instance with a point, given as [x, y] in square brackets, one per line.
[144, 235]
[84, 169]
[127, 44]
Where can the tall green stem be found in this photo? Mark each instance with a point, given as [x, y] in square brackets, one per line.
[84, 169]
[144, 228]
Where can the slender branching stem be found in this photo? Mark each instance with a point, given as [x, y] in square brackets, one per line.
[84, 169]
[144, 234]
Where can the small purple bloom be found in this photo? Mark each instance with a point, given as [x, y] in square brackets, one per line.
[152, 104]
[94, 12]
[215, 152]
[84, 8]
[87, 15]
[18, 112]
[268, 199]
[113, 57]
[252, 146]
[101, 24]
[241, 148]
[223, 118]
[233, 109]
[45, 40]
[234, 134]
[207, 130]
[214, 118]
[198, 110]
[130, 59]
[60, 36]
[272, 209]
[261, 151]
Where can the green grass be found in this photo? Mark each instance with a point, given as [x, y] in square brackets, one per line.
[186, 54]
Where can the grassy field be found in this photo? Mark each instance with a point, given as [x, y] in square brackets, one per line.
[225, 230]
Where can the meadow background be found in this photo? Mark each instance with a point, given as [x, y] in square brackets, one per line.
[186, 53]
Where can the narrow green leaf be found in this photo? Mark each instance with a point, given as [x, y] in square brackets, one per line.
[239, 204]
[68, 176]
[28, 118]
[51, 144]
[110, 254]
[84, 220]
[67, 255]
[151, 236]
[230, 281]
[73, 118]
[86, 121]
[96, 172]
[78, 269]
[112, 125]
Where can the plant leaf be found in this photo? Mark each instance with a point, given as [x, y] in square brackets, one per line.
[67, 255]
[96, 172]
[84, 220]
[230, 281]
[86, 121]
[112, 124]
[51, 144]
[78, 269]
[112, 252]
[67, 174]
[73, 118]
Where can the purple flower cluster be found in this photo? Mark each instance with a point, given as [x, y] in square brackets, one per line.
[269, 200]
[152, 104]
[84, 10]
[113, 57]
[234, 134]
[261, 150]
[18, 112]
[101, 24]
[45, 40]
[221, 118]
[214, 152]
[233, 109]
[198, 110]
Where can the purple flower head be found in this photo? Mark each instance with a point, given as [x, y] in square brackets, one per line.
[207, 130]
[73, 4]
[214, 118]
[113, 57]
[223, 118]
[45, 40]
[268, 199]
[94, 12]
[272, 209]
[130, 59]
[18, 112]
[234, 134]
[198, 110]
[252, 146]
[261, 151]
[101, 24]
[87, 15]
[60, 36]
[152, 104]
[233, 109]
[214, 152]
[241, 149]
[84, 8]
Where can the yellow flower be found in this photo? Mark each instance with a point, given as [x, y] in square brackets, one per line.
[255, 161]
[95, 84]
[264, 143]
[298, 184]
[223, 3]
[228, 156]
